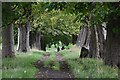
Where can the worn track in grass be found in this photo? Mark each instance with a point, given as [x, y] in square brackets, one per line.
[47, 73]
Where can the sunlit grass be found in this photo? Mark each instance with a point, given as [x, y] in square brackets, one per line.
[91, 68]
[68, 54]
[20, 66]
[19, 72]
[88, 67]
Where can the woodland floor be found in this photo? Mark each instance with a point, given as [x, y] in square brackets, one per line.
[48, 72]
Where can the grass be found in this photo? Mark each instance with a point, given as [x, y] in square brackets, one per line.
[54, 65]
[91, 68]
[88, 67]
[21, 66]
[51, 60]
[70, 54]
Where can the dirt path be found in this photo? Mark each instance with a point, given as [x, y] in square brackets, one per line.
[59, 57]
[47, 72]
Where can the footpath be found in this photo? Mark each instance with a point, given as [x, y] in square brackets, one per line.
[48, 73]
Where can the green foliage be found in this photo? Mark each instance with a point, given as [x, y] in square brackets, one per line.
[55, 25]
[14, 12]
[7, 13]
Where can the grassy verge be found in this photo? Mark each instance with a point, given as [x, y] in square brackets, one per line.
[70, 54]
[20, 66]
[87, 67]
[91, 68]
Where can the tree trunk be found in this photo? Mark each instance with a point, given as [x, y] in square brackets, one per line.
[94, 49]
[89, 39]
[8, 41]
[35, 40]
[112, 45]
[19, 38]
[43, 44]
[97, 43]
[23, 38]
[84, 40]
[82, 36]
[38, 41]
[101, 40]
[32, 39]
[74, 39]
[28, 35]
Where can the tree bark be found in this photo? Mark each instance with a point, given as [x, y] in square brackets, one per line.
[35, 40]
[23, 37]
[112, 44]
[8, 41]
[32, 39]
[43, 44]
[89, 39]
[19, 38]
[28, 35]
[74, 39]
[101, 40]
[94, 43]
[38, 41]
[83, 40]
[82, 36]
[93, 46]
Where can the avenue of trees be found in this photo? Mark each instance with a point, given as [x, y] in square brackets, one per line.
[93, 26]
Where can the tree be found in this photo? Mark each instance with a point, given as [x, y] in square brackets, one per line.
[112, 43]
[23, 37]
[109, 14]
[7, 31]
[8, 41]
[24, 27]
[52, 24]
[112, 50]
[35, 40]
